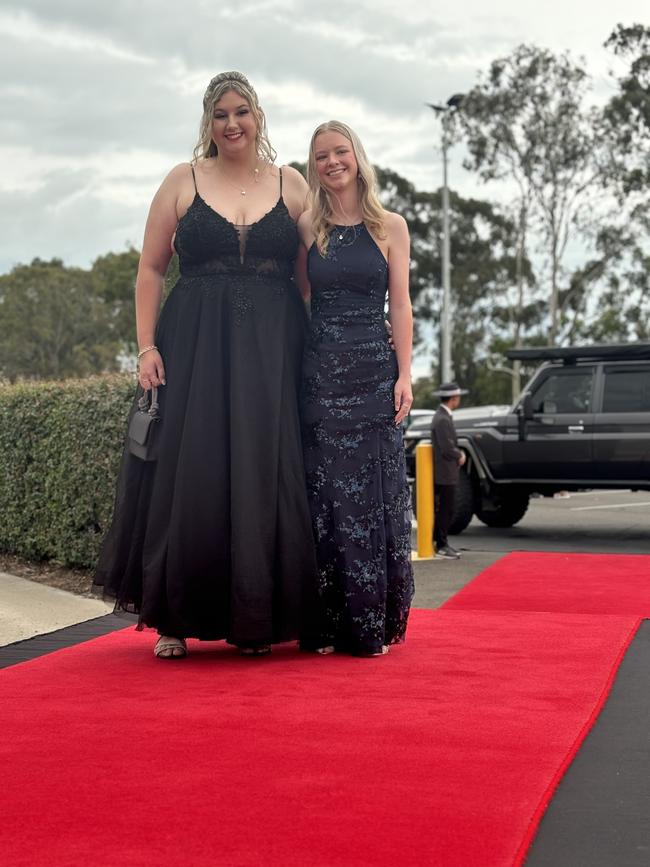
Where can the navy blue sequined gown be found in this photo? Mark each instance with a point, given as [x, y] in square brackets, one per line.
[354, 455]
[213, 540]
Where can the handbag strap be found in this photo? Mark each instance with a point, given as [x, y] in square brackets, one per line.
[145, 406]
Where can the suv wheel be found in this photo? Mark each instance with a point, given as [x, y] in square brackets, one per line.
[505, 511]
[464, 504]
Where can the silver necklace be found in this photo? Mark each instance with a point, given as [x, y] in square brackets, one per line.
[346, 231]
[242, 190]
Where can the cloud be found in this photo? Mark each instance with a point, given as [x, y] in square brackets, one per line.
[99, 101]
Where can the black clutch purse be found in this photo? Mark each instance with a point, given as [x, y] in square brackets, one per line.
[142, 427]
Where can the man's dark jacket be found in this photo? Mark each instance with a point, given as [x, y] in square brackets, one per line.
[445, 448]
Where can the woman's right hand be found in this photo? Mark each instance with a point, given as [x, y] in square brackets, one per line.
[151, 370]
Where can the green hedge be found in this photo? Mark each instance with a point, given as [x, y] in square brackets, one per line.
[60, 449]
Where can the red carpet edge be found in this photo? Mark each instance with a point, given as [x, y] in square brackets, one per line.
[572, 753]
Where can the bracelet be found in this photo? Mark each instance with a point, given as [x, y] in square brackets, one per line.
[146, 349]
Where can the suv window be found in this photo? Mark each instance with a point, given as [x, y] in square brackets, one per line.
[627, 390]
[567, 391]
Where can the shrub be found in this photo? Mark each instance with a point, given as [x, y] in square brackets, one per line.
[60, 449]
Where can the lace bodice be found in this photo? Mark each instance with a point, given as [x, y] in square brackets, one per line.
[208, 243]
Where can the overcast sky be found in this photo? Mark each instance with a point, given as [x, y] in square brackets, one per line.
[99, 100]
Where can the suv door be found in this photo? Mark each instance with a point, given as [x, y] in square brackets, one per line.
[622, 427]
[559, 437]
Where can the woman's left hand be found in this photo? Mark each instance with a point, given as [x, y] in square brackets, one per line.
[403, 398]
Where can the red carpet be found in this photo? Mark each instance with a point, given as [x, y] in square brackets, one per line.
[442, 753]
[579, 583]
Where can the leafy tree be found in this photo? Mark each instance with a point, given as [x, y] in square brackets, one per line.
[52, 324]
[423, 392]
[616, 276]
[627, 114]
[113, 280]
[526, 124]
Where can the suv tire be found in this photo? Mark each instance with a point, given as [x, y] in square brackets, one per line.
[464, 504]
[510, 509]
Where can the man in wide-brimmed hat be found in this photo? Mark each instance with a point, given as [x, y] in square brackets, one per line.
[448, 459]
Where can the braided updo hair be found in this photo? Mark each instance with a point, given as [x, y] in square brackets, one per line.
[219, 85]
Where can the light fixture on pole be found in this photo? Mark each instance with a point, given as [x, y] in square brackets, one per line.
[446, 370]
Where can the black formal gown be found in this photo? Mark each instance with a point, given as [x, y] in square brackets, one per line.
[214, 540]
[354, 455]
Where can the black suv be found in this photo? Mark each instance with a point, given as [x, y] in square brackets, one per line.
[583, 421]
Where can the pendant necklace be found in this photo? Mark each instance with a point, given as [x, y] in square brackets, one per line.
[242, 190]
[342, 229]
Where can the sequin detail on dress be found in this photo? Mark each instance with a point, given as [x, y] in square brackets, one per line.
[354, 456]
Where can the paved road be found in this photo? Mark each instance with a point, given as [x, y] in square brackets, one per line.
[591, 522]
[616, 522]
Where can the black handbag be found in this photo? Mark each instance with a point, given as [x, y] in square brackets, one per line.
[142, 427]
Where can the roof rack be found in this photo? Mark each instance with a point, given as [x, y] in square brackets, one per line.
[571, 354]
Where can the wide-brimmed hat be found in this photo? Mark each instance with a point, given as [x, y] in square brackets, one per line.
[450, 389]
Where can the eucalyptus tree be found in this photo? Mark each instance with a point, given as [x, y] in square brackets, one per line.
[527, 126]
[627, 114]
[621, 266]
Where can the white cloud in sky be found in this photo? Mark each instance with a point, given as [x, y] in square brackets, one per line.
[99, 101]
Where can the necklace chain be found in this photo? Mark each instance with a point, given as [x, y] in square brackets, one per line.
[242, 190]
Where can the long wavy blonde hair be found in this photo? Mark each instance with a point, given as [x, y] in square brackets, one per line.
[372, 211]
[220, 85]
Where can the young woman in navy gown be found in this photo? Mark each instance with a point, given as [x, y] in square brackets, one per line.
[356, 392]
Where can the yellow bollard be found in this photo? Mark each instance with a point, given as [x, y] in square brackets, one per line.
[424, 498]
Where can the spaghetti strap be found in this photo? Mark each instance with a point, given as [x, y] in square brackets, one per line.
[280, 170]
[196, 189]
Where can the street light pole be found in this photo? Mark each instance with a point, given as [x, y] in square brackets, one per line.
[446, 370]
[445, 322]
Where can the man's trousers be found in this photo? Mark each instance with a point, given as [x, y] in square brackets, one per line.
[444, 499]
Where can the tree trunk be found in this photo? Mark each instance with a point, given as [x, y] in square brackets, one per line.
[519, 265]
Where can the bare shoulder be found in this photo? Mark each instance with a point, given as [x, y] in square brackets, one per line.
[305, 228]
[293, 179]
[295, 191]
[181, 172]
[177, 178]
[396, 225]
[292, 175]
[304, 220]
[397, 234]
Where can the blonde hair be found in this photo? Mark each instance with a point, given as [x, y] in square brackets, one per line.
[372, 211]
[220, 85]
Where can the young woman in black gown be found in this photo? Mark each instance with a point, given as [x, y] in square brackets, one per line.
[213, 540]
[356, 393]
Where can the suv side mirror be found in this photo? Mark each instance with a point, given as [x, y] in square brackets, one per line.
[527, 406]
[524, 414]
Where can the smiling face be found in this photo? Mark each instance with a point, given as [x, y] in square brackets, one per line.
[234, 128]
[335, 161]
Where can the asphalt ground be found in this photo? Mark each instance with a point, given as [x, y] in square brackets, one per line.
[606, 522]
[600, 814]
